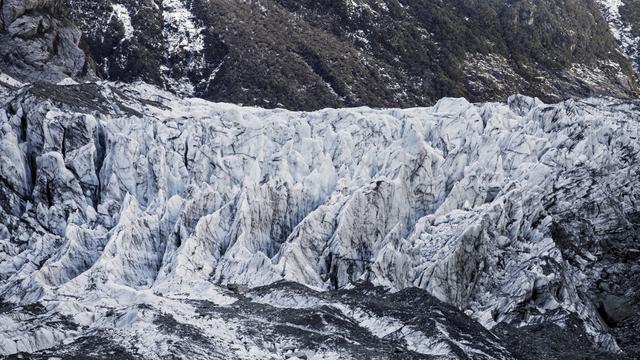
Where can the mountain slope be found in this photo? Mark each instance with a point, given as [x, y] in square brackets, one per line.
[307, 55]
[624, 19]
[518, 213]
[39, 42]
[310, 55]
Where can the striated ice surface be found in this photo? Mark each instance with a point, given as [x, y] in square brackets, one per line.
[133, 198]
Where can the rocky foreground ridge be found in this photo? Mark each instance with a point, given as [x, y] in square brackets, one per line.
[132, 219]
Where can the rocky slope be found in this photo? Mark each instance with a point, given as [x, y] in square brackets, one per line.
[280, 321]
[119, 201]
[38, 42]
[624, 19]
[308, 55]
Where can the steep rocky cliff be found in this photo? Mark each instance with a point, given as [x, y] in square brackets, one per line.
[39, 42]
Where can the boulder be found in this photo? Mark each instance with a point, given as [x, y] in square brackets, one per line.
[615, 309]
[26, 27]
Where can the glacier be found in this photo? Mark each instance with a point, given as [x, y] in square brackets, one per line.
[123, 204]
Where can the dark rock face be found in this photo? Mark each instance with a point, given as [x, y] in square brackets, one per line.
[118, 54]
[607, 250]
[308, 54]
[552, 342]
[159, 42]
[38, 42]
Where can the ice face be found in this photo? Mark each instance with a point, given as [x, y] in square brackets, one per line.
[133, 192]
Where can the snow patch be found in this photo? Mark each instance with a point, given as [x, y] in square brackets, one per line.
[184, 44]
[6, 79]
[122, 13]
[623, 32]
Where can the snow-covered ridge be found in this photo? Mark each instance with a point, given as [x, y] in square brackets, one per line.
[131, 189]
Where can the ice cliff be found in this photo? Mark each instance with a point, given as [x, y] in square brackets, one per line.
[119, 196]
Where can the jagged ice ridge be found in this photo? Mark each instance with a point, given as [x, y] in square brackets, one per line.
[127, 194]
